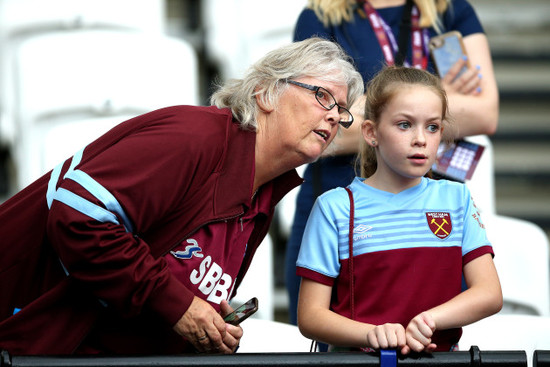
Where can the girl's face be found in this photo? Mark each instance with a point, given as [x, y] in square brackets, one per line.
[408, 134]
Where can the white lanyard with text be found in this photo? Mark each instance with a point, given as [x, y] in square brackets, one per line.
[387, 42]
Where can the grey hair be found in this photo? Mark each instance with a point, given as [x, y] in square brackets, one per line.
[313, 57]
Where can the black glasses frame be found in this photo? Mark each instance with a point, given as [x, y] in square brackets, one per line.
[316, 89]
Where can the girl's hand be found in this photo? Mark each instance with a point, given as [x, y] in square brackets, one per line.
[468, 83]
[419, 334]
[387, 336]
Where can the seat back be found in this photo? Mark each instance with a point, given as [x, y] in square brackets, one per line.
[264, 336]
[508, 332]
[522, 263]
[238, 32]
[63, 77]
[482, 184]
[259, 282]
[19, 17]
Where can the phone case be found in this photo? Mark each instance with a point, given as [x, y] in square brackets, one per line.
[242, 312]
[446, 50]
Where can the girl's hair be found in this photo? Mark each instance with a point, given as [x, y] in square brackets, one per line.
[334, 12]
[380, 91]
[313, 57]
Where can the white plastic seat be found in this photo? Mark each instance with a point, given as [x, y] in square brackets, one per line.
[18, 17]
[286, 208]
[22, 19]
[259, 282]
[264, 336]
[482, 184]
[61, 141]
[238, 32]
[522, 263]
[508, 332]
[61, 77]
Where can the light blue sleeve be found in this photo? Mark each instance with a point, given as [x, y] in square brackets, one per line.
[474, 235]
[319, 248]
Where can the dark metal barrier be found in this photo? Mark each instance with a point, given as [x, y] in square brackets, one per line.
[473, 358]
[541, 358]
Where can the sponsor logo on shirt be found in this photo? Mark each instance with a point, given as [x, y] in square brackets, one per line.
[206, 276]
[190, 250]
[440, 224]
[360, 232]
[212, 281]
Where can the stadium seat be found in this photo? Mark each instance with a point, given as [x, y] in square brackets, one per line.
[238, 32]
[259, 282]
[264, 336]
[522, 262]
[509, 332]
[482, 184]
[62, 77]
[25, 17]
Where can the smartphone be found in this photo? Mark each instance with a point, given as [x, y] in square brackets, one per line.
[242, 312]
[446, 49]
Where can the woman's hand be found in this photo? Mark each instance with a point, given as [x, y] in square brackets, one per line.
[469, 83]
[203, 327]
[419, 334]
[387, 336]
[234, 333]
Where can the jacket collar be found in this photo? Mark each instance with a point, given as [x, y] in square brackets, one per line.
[234, 186]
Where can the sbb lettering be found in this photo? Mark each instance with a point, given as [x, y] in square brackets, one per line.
[212, 280]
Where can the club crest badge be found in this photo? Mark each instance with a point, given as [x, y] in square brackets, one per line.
[440, 224]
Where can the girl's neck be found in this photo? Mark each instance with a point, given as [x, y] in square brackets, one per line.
[393, 185]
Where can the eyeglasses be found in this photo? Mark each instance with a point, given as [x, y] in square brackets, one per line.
[327, 101]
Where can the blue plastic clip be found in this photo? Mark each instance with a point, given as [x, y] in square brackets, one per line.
[388, 358]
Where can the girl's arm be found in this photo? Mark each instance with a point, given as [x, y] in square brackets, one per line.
[483, 298]
[475, 111]
[316, 321]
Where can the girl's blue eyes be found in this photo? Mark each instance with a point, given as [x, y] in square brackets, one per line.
[433, 128]
[405, 125]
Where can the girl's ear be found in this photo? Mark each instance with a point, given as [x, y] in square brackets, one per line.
[368, 129]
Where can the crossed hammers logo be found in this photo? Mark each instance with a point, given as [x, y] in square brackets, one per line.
[440, 226]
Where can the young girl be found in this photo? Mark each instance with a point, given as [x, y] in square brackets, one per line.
[474, 111]
[413, 237]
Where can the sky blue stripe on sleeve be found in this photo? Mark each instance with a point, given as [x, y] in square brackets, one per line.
[102, 194]
[52, 183]
[56, 172]
[77, 157]
[84, 206]
[93, 187]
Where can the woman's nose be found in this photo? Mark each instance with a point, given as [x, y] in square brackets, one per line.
[333, 116]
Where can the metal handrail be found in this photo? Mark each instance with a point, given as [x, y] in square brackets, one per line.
[474, 358]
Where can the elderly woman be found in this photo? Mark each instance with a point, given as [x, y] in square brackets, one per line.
[135, 244]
